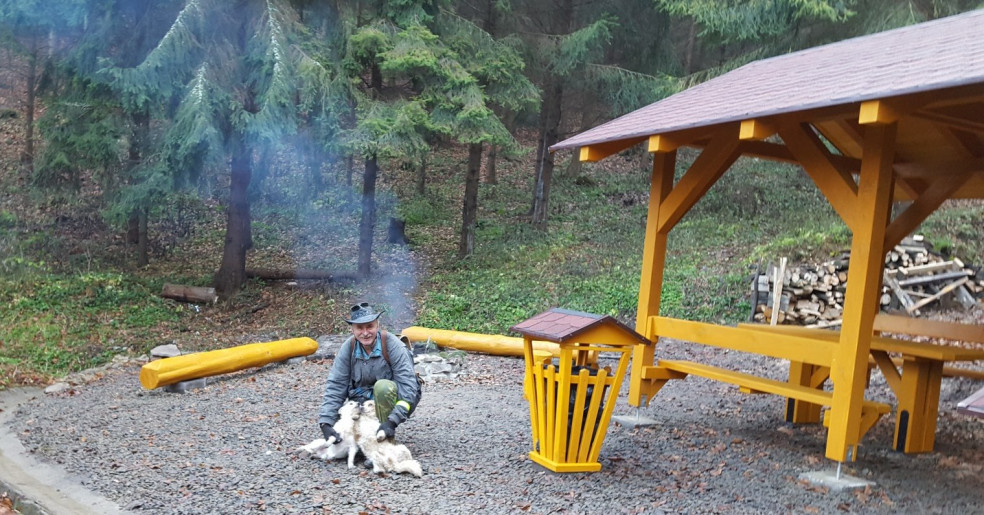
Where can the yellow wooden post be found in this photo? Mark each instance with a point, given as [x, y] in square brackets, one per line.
[651, 283]
[919, 398]
[850, 363]
[804, 374]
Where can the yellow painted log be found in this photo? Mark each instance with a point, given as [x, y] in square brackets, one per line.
[476, 342]
[167, 371]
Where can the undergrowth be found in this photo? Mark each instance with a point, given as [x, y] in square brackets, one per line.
[67, 306]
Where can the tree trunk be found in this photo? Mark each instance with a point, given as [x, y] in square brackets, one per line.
[469, 211]
[422, 176]
[231, 276]
[574, 165]
[550, 115]
[27, 156]
[137, 225]
[396, 233]
[368, 221]
[143, 244]
[133, 227]
[349, 169]
[316, 157]
[549, 124]
[490, 164]
[688, 58]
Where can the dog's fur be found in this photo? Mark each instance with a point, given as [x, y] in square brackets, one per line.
[358, 426]
[386, 455]
[346, 428]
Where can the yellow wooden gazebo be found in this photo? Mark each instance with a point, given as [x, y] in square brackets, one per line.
[890, 118]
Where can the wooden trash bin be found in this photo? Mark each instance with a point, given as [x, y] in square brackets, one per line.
[571, 401]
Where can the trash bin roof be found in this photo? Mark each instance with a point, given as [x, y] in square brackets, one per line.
[563, 325]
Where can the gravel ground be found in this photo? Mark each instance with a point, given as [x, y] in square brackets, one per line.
[226, 448]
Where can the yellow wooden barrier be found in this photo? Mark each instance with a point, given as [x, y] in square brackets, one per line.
[167, 371]
[487, 343]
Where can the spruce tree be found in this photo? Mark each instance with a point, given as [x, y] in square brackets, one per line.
[241, 79]
[417, 77]
[32, 30]
[727, 34]
[573, 58]
[498, 70]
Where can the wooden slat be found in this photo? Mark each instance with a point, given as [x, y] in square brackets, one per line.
[804, 348]
[933, 328]
[762, 384]
[925, 350]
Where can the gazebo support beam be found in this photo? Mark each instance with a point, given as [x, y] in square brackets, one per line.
[871, 215]
[651, 282]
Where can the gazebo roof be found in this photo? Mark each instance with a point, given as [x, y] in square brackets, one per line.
[942, 54]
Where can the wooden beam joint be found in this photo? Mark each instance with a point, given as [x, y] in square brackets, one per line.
[755, 130]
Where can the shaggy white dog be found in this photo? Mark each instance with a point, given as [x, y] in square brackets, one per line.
[358, 425]
[385, 455]
[346, 428]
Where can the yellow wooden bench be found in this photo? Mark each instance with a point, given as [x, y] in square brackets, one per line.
[914, 377]
[870, 411]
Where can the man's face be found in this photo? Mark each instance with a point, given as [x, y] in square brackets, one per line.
[365, 333]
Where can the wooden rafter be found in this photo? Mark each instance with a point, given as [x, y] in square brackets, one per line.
[835, 182]
[843, 134]
[717, 157]
[928, 200]
[955, 122]
[946, 167]
[599, 151]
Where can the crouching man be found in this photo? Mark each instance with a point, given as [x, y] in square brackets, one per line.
[371, 364]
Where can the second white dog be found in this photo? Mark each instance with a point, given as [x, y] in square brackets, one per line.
[386, 455]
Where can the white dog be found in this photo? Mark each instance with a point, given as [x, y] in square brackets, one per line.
[386, 455]
[346, 428]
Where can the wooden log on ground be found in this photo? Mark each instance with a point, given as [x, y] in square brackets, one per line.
[167, 371]
[270, 274]
[184, 293]
[938, 278]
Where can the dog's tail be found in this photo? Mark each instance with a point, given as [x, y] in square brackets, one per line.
[409, 466]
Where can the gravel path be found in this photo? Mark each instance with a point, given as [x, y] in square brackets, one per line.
[226, 448]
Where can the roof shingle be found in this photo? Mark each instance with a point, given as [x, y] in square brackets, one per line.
[928, 56]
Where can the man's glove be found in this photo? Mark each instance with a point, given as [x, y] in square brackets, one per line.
[331, 436]
[386, 430]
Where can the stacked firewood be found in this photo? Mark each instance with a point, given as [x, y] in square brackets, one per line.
[914, 278]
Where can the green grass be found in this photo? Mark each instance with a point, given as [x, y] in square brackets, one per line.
[56, 323]
[590, 259]
[60, 318]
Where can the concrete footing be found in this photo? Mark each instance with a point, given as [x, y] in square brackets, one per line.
[634, 421]
[186, 386]
[829, 479]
